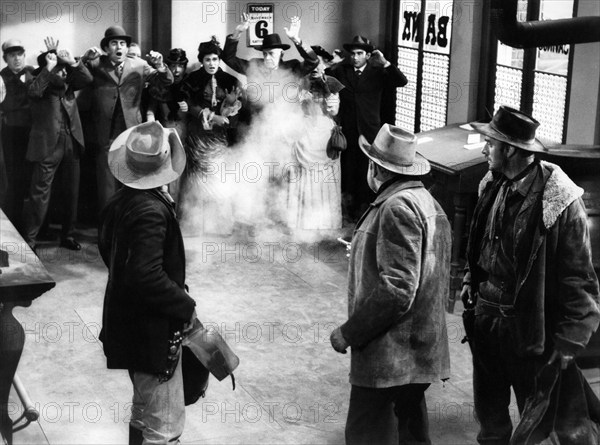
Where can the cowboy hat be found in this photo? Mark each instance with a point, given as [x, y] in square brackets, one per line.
[146, 156]
[513, 127]
[359, 42]
[271, 41]
[114, 33]
[395, 150]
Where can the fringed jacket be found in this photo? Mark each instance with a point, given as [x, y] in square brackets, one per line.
[556, 296]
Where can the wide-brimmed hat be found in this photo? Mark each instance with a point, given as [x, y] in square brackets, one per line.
[359, 42]
[12, 45]
[271, 41]
[146, 156]
[513, 127]
[396, 150]
[112, 33]
[322, 52]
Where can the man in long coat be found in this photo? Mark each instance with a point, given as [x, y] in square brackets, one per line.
[398, 283]
[146, 305]
[116, 94]
[55, 143]
[364, 77]
[529, 277]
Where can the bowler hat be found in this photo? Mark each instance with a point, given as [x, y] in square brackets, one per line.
[12, 45]
[359, 42]
[272, 41]
[513, 127]
[396, 150]
[112, 33]
[146, 156]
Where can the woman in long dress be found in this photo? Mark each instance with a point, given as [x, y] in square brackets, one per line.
[314, 197]
[213, 102]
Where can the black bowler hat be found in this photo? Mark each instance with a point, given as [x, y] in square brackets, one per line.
[272, 41]
[112, 33]
[513, 127]
[359, 42]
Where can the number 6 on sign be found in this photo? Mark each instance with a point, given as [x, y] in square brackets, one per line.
[261, 18]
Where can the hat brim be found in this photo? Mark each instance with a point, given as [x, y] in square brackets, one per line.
[167, 173]
[420, 166]
[350, 46]
[536, 146]
[105, 40]
[283, 46]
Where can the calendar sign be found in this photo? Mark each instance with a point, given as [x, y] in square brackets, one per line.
[261, 17]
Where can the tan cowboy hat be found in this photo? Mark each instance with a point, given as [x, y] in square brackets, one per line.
[146, 156]
[396, 150]
[513, 127]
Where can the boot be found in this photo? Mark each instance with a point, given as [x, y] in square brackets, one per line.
[135, 436]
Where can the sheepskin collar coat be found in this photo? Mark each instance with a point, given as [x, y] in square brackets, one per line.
[556, 297]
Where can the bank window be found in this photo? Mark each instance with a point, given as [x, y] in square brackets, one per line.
[536, 80]
[423, 44]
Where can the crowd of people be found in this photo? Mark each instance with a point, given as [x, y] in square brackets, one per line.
[280, 119]
[529, 282]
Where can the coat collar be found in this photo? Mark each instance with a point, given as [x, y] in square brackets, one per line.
[559, 191]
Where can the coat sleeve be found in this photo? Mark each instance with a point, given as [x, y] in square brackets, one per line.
[42, 81]
[143, 265]
[577, 314]
[157, 78]
[78, 76]
[310, 59]
[230, 57]
[393, 77]
[398, 255]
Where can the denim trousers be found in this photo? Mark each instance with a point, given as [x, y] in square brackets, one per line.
[395, 415]
[496, 369]
[158, 408]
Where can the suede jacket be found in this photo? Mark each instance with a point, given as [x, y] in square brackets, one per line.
[556, 295]
[398, 285]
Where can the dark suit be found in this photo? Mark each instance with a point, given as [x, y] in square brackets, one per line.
[145, 300]
[360, 104]
[116, 107]
[55, 144]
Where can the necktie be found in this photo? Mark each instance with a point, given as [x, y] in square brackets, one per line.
[358, 73]
[119, 69]
[498, 209]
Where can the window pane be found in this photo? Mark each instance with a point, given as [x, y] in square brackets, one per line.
[406, 97]
[549, 98]
[554, 59]
[435, 91]
[508, 87]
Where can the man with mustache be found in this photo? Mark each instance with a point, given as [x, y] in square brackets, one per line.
[116, 96]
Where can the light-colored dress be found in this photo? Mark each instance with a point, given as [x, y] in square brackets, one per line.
[314, 193]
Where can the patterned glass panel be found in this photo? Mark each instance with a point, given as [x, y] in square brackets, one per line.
[508, 87]
[435, 91]
[549, 98]
[406, 97]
